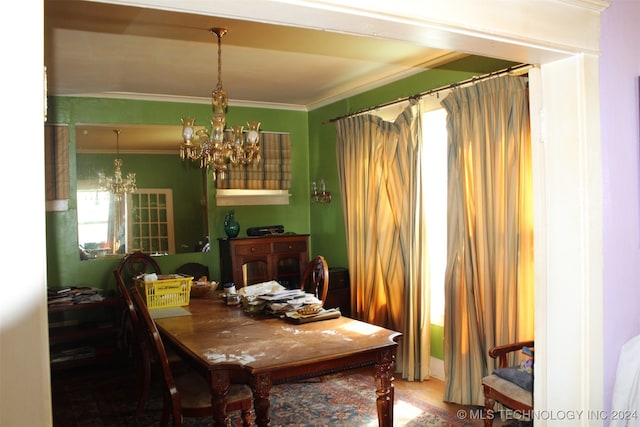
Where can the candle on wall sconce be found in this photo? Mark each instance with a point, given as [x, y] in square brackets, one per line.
[320, 195]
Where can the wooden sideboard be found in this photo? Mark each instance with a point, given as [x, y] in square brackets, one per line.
[248, 260]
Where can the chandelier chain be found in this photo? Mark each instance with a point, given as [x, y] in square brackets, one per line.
[219, 61]
[117, 132]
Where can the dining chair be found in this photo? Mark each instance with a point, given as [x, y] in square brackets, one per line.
[510, 386]
[315, 279]
[194, 269]
[137, 263]
[129, 267]
[187, 394]
[135, 341]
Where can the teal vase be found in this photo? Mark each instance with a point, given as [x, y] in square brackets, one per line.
[231, 226]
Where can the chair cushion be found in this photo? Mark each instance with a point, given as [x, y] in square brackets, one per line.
[516, 376]
[508, 388]
[521, 375]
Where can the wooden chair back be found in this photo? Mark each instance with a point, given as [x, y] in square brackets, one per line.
[315, 279]
[171, 396]
[135, 264]
[194, 269]
[133, 339]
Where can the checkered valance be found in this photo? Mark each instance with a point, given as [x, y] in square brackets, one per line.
[56, 152]
[272, 173]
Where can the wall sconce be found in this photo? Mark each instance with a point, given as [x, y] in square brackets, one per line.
[320, 195]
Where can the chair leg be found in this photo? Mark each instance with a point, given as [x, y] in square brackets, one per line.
[143, 379]
[488, 411]
[246, 417]
[166, 413]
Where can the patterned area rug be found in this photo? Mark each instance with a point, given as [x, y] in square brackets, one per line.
[105, 398]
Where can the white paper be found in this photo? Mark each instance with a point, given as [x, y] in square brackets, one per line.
[261, 288]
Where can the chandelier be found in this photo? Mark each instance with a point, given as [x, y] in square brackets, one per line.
[215, 150]
[116, 185]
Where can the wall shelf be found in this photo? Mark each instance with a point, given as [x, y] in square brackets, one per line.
[81, 342]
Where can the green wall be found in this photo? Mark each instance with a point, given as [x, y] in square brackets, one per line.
[437, 341]
[63, 264]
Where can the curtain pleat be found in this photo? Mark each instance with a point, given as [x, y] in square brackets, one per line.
[489, 277]
[379, 168]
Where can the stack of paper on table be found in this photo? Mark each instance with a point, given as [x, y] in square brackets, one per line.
[274, 298]
[258, 289]
[283, 295]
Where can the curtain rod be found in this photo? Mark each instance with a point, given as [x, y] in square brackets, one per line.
[513, 69]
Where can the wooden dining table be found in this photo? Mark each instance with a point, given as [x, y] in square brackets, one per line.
[228, 346]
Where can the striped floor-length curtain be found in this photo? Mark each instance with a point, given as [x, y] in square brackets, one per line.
[378, 166]
[489, 276]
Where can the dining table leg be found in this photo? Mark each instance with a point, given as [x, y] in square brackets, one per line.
[261, 386]
[219, 388]
[383, 374]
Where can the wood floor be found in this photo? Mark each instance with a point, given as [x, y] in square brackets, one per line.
[432, 392]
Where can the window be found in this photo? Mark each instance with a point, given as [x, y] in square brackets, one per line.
[434, 192]
[150, 227]
[93, 221]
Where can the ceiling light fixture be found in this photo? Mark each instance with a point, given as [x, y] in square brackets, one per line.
[215, 150]
[116, 185]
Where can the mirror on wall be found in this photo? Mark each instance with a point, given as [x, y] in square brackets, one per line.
[166, 214]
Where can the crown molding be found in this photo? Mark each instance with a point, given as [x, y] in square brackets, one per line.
[186, 100]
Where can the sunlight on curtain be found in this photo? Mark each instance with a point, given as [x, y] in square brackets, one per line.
[379, 171]
[434, 194]
[489, 277]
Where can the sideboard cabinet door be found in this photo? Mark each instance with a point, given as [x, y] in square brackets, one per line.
[248, 260]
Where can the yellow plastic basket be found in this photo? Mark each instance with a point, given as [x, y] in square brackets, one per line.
[171, 290]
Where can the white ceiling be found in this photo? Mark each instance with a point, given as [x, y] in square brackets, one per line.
[107, 50]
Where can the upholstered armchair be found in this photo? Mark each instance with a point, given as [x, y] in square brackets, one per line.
[510, 386]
